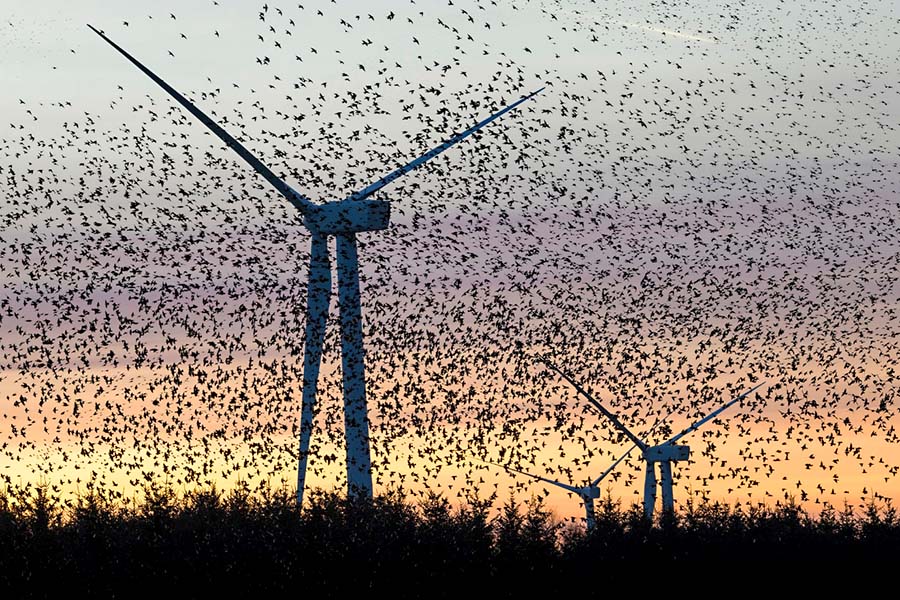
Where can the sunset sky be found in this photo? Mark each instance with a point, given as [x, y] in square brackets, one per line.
[699, 200]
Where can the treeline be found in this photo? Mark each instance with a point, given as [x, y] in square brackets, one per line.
[243, 543]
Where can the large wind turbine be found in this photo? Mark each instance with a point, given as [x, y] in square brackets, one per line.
[588, 493]
[664, 454]
[342, 219]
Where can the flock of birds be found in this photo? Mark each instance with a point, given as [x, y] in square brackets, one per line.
[685, 211]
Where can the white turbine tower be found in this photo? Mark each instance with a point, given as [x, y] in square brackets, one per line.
[664, 454]
[588, 492]
[343, 220]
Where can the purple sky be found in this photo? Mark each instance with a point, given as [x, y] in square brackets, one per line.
[695, 202]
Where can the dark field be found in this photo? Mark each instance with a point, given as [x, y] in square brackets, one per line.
[244, 543]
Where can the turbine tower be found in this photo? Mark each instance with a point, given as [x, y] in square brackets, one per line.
[588, 493]
[342, 219]
[664, 454]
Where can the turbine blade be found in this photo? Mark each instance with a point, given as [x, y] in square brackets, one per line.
[302, 203]
[637, 441]
[564, 486]
[711, 415]
[613, 466]
[318, 292]
[368, 191]
[657, 422]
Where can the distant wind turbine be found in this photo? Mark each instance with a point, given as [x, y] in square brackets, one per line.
[343, 219]
[588, 493]
[664, 454]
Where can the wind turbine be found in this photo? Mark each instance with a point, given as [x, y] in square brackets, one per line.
[588, 493]
[664, 454]
[343, 220]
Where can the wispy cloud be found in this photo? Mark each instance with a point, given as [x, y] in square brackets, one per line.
[678, 34]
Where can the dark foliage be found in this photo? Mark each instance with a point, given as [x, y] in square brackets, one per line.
[242, 543]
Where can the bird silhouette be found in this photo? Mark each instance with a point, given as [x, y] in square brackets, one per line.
[702, 202]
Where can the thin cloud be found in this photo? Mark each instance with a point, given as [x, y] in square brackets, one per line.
[678, 34]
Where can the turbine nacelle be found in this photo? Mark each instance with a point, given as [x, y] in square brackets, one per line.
[591, 491]
[667, 452]
[348, 216]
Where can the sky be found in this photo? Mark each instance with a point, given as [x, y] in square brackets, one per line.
[699, 200]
